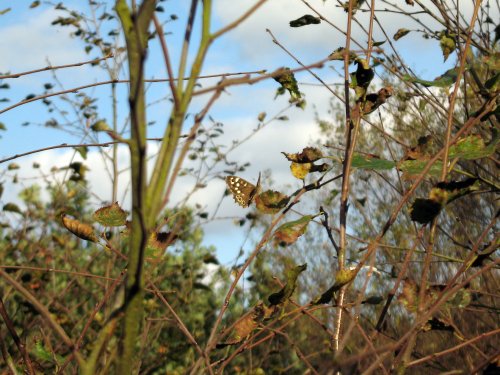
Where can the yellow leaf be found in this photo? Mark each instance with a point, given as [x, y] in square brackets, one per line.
[300, 171]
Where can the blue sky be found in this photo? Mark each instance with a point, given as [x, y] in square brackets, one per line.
[28, 40]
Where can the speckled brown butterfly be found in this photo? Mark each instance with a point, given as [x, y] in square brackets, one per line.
[243, 191]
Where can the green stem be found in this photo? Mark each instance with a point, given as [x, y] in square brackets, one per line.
[166, 154]
[135, 27]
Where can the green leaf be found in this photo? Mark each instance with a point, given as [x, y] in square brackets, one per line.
[111, 216]
[291, 282]
[492, 83]
[289, 232]
[473, 147]
[493, 60]
[342, 278]
[415, 167]
[461, 299]
[445, 80]
[400, 33]
[2, 126]
[31, 194]
[447, 44]
[82, 150]
[6, 10]
[34, 4]
[13, 166]
[100, 126]
[41, 353]
[378, 44]
[371, 162]
[289, 83]
[305, 20]
[12, 207]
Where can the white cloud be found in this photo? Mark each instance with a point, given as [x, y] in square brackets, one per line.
[100, 186]
[255, 45]
[28, 44]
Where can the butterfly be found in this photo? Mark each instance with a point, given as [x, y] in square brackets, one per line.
[243, 191]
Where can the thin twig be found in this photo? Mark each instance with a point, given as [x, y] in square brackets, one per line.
[111, 81]
[182, 326]
[17, 340]
[44, 312]
[166, 57]
[453, 97]
[94, 61]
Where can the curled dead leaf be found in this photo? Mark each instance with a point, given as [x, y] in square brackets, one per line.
[79, 229]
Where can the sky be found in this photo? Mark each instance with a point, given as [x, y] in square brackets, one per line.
[29, 41]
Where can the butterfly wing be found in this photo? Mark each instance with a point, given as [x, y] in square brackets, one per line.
[242, 190]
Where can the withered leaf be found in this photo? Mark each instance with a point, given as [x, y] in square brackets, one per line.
[79, 229]
[307, 155]
[291, 282]
[400, 33]
[271, 202]
[289, 232]
[306, 19]
[246, 325]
